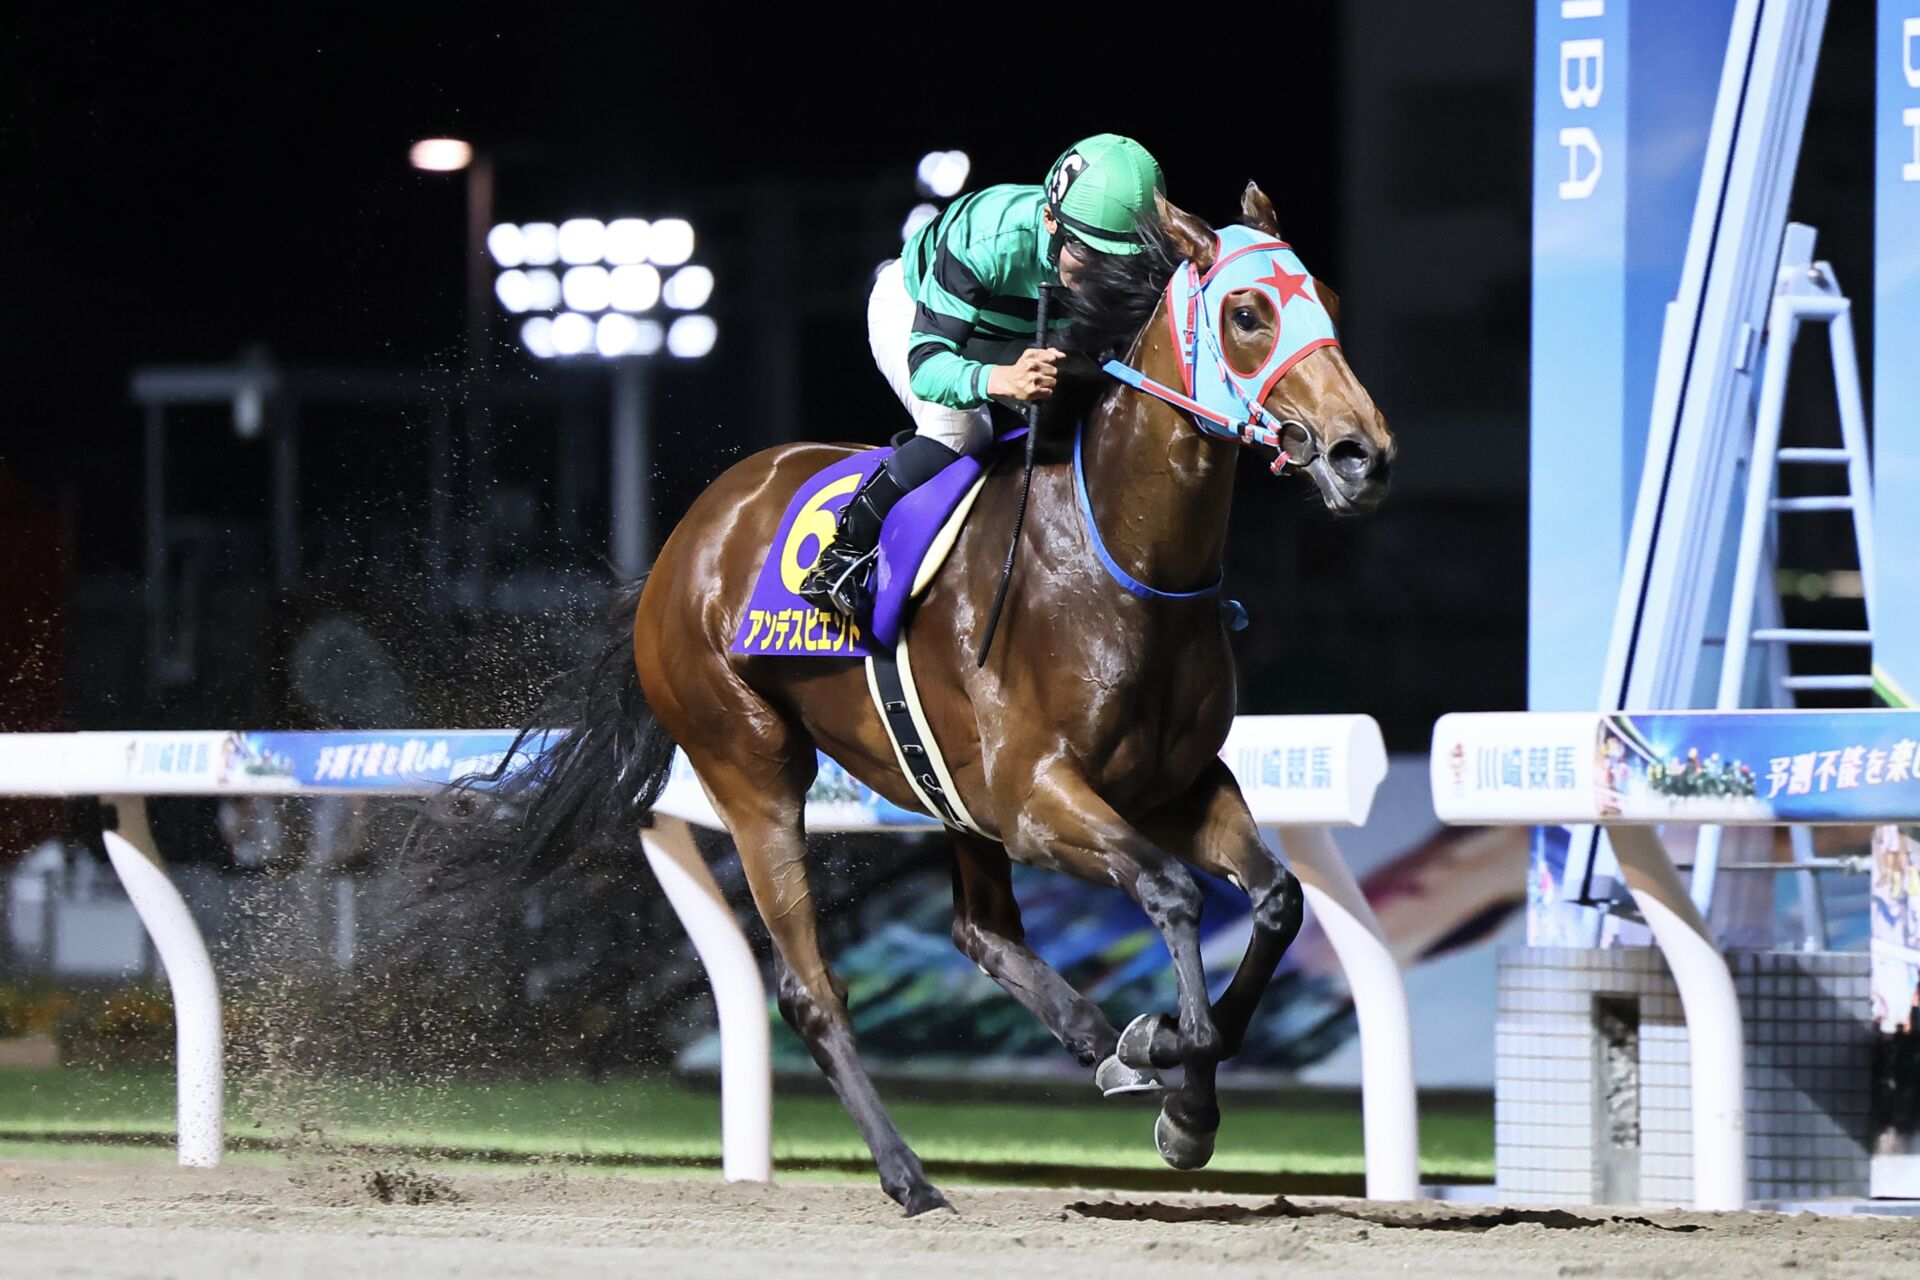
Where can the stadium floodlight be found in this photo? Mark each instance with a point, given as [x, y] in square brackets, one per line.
[544, 290]
[484, 240]
[572, 333]
[917, 217]
[537, 336]
[590, 282]
[540, 244]
[672, 242]
[581, 287]
[536, 290]
[507, 245]
[943, 173]
[689, 289]
[636, 287]
[441, 155]
[582, 240]
[615, 334]
[627, 241]
[692, 336]
[514, 290]
[587, 288]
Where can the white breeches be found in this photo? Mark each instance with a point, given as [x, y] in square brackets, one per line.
[889, 325]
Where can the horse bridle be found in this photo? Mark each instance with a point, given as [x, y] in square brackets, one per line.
[1222, 401]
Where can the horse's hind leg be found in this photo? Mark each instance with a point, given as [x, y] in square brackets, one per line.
[987, 930]
[762, 798]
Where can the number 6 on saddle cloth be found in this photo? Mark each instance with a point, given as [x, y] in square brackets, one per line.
[914, 542]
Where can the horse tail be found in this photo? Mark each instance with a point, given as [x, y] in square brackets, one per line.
[580, 780]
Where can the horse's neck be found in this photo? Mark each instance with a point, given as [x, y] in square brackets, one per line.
[1161, 491]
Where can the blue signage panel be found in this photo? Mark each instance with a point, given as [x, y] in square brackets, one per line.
[1896, 341]
[1623, 102]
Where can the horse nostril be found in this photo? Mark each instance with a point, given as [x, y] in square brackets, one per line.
[1352, 459]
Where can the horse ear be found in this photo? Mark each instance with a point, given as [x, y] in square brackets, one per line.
[1192, 238]
[1328, 299]
[1257, 211]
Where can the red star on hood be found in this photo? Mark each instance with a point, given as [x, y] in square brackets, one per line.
[1288, 286]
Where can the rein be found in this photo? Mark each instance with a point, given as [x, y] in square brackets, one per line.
[1042, 306]
[1218, 398]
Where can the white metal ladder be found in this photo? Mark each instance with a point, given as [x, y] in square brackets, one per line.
[1804, 291]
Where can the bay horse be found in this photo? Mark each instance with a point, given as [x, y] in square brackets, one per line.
[1088, 742]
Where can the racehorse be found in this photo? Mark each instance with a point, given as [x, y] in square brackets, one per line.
[1089, 739]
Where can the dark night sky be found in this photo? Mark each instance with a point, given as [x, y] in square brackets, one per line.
[177, 187]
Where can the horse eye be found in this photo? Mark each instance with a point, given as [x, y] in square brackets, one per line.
[1247, 321]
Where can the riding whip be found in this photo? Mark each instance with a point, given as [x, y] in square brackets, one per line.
[1042, 307]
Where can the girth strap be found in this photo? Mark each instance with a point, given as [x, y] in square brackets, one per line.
[890, 680]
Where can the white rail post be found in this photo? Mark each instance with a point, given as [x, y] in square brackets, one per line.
[746, 1073]
[1716, 1040]
[1388, 1101]
[199, 1069]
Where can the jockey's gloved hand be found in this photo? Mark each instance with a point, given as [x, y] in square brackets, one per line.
[1030, 378]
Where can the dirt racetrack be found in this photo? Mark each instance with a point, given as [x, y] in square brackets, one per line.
[268, 1218]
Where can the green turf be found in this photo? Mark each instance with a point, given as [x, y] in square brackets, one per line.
[657, 1120]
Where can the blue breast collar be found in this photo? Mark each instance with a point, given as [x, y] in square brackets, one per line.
[1118, 574]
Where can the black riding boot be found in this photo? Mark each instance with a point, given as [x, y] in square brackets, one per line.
[842, 578]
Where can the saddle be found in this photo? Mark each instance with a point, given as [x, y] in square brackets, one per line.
[919, 534]
[915, 541]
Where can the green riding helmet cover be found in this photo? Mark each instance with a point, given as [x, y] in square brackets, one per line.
[1100, 189]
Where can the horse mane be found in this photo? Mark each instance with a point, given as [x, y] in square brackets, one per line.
[1115, 294]
[1113, 298]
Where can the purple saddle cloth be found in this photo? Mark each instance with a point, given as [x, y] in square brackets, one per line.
[778, 621]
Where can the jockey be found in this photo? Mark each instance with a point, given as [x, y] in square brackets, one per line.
[951, 323]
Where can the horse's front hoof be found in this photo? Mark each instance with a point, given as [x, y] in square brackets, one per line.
[1180, 1147]
[1151, 1040]
[1114, 1077]
[924, 1199]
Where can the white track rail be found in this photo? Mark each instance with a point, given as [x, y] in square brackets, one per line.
[1301, 775]
[1505, 768]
